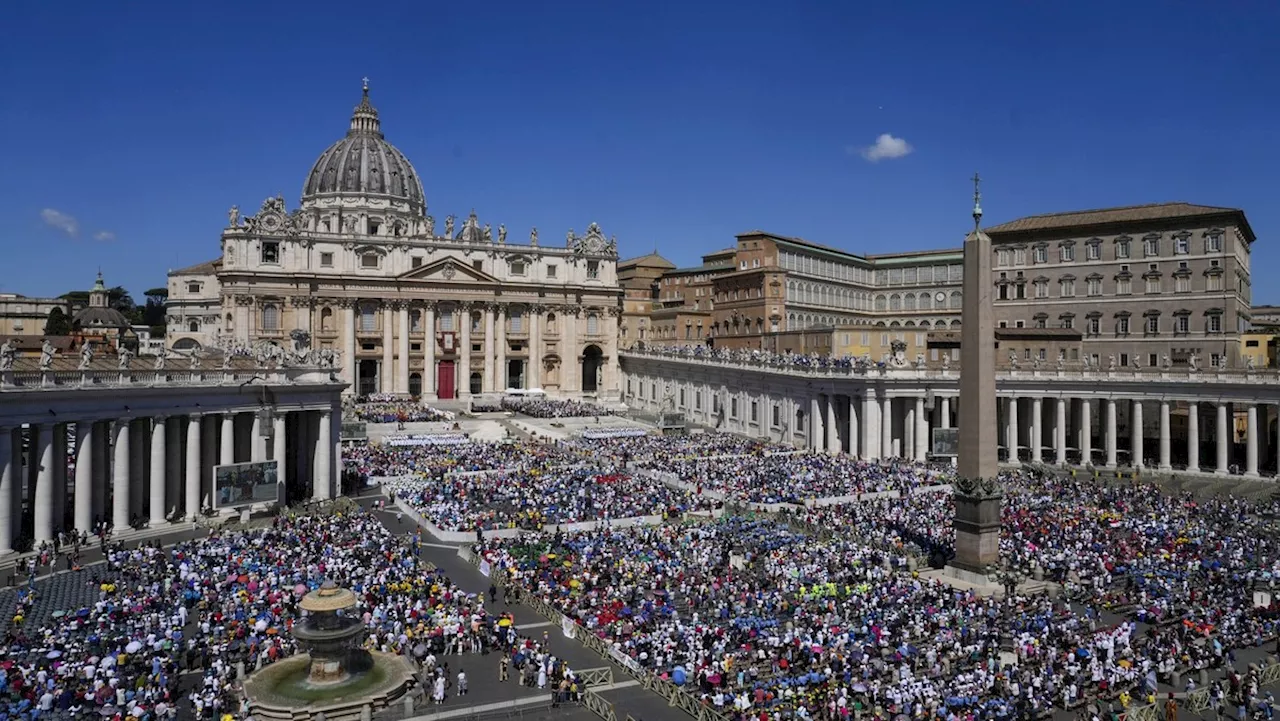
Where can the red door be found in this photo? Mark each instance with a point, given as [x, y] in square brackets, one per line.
[444, 380]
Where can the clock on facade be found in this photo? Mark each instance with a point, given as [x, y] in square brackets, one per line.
[940, 297]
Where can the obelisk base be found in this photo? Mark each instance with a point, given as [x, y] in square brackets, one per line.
[977, 525]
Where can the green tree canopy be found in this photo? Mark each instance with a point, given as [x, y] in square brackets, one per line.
[59, 323]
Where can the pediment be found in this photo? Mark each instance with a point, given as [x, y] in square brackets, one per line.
[449, 270]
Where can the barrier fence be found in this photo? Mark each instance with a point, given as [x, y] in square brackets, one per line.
[673, 694]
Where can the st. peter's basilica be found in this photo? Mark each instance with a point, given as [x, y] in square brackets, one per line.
[405, 304]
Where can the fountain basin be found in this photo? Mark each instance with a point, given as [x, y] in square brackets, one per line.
[286, 691]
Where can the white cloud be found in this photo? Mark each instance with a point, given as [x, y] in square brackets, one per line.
[61, 221]
[886, 147]
[104, 235]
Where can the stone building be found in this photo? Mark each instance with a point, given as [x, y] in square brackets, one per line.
[23, 316]
[409, 305]
[638, 278]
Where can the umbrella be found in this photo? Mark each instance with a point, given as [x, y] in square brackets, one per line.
[107, 711]
[133, 647]
[53, 654]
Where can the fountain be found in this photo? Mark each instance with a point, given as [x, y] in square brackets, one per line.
[334, 676]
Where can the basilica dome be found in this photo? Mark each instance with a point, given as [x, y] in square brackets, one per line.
[364, 164]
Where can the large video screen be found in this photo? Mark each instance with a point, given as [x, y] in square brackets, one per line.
[946, 441]
[245, 484]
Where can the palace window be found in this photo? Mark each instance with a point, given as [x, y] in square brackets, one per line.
[1068, 287]
[1093, 250]
[593, 269]
[1042, 288]
[1095, 286]
[326, 260]
[1122, 248]
[1041, 254]
[1181, 245]
[1182, 284]
[194, 326]
[415, 261]
[1153, 284]
[369, 261]
[1094, 326]
[517, 267]
[1067, 253]
[271, 253]
[1215, 323]
[193, 288]
[1153, 325]
[1124, 286]
[1151, 246]
[1213, 241]
[1182, 324]
[1122, 325]
[271, 317]
[551, 270]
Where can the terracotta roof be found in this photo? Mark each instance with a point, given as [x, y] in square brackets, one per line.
[205, 268]
[649, 260]
[1106, 216]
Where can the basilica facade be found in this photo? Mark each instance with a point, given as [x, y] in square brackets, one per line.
[404, 303]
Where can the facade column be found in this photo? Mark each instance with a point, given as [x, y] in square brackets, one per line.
[1136, 447]
[279, 448]
[1222, 436]
[500, 351]
[533, 373]
[464, 352]
[945, 419]
[159, 468]
[387, 370]
[489, 383]
[1166, 462]
[908, 429]
[402, 348]
[85, 439]
[571, 355]
[871, 444]
[815, 423]
[834, 447]
[1086, 431]
[886, 428]
[348, 348]
[1060, 430]
[922, 431]
[1251, 441]
[60, 456]
[192, 508]
[1111, 432]
[9, 476]
[120, 478]
[323, 482]
[1011, 431]
[1037, 429]
[227, 440]
[429, 344]
[1193, 437]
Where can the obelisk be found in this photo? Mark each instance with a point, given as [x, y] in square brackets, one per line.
[977, 492]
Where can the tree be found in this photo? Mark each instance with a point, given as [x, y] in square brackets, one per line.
[59, 323]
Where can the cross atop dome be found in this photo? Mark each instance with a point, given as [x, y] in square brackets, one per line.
[364, 119]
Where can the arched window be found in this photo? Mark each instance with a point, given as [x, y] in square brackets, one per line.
[271, 317]
[593, 324]
[415, 321]
[326, 320]
[516, 321]
[230, 324]
[909, 301]
[956, 301]
[895, 303]
[881, 302]
[551, 322]
[476, 320]
[194, 326]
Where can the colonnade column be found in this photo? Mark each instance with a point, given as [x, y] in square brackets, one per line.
[429, 345]
[227, 440]
[871, 445]
[886, 428]
[1136, 449]
[42, 444]
[1251, 441]
[1037, 429]
[324, 457]
[192, 508]
[533, 373]
[833, 426]
[85, 439]
[855, 442]
[1166, 461]
[945, 420]
[257, 446]
[1193, 437]
[279, 447]
[1011, 430]
[9, 478]
[1086, 431]
[488, 385]
[815, 423]
[120, 477]
[348, 346]
[908, 446]
[1222, 435]
[387, 371]
[1111, 432]
[159, 468]
[922, 431]
[1060, 431]
[402, 348]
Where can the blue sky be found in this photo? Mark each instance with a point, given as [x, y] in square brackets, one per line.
[135, 126]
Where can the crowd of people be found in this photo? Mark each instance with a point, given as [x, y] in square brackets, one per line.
[434, 461]
[386, 408]
[658, 449]
[204, 606]
[553, 408]
[797, 477]
[532, 499]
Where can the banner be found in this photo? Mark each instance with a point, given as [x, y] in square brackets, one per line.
[437, 439]
[485, 568]
[567, 625]
[625, 661]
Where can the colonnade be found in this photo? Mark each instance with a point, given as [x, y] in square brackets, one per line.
[79, 474]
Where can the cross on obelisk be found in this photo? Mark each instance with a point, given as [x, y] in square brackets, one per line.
[978, 497]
